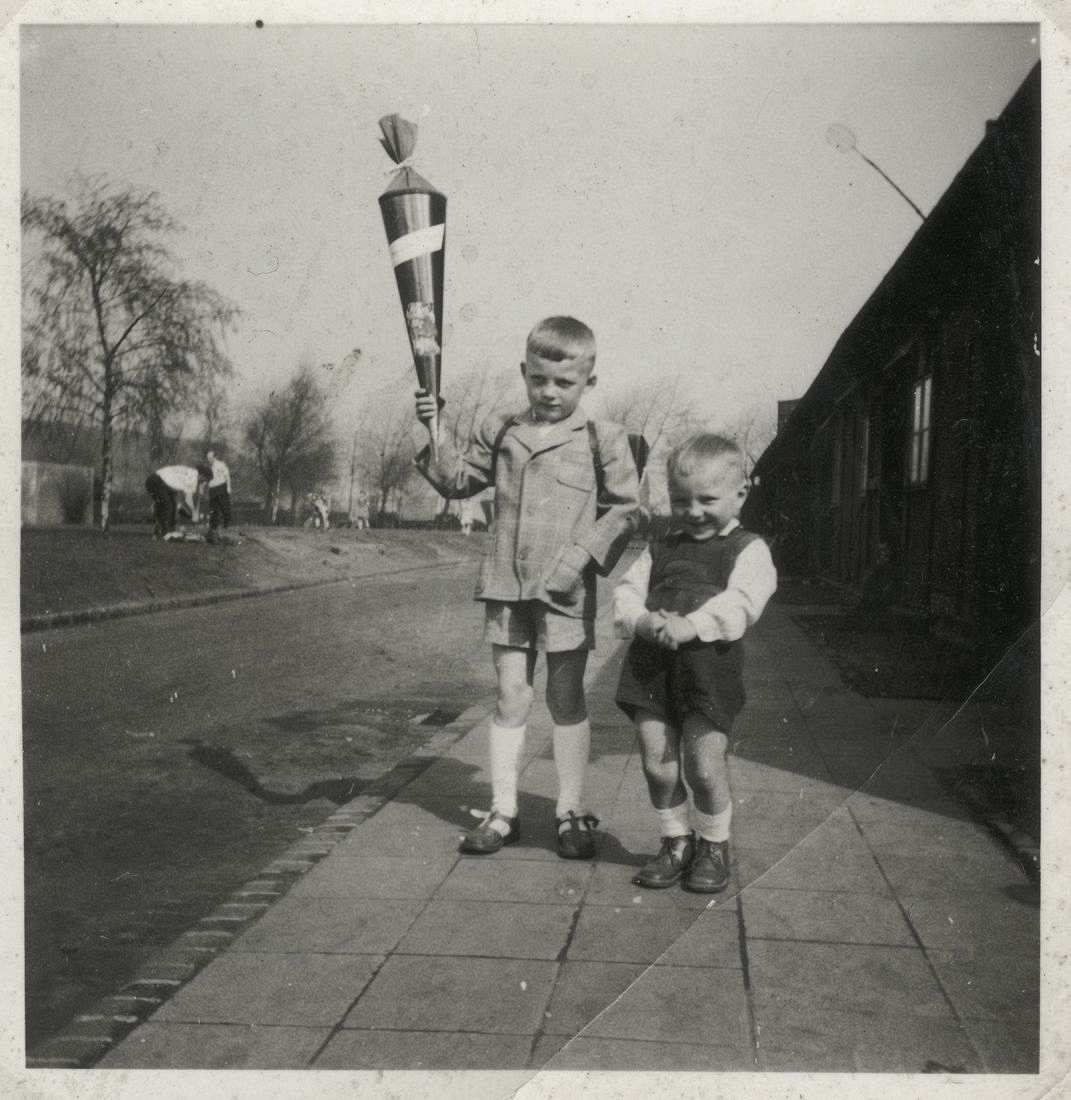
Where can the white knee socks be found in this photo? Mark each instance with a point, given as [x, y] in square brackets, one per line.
[506, 743]
[713, 827]
[572, 748]
[674, 821]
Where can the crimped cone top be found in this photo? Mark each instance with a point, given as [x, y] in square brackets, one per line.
[399, 139]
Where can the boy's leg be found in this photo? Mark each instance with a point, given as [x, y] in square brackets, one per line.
[514, 668]
[572, 750]
[706, 769]
[660, 753]
[572, 731]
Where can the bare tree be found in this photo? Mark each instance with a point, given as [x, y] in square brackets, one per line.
[110, 335]
[754, 430]
[290, 439]
[657, 410]
[385, 446]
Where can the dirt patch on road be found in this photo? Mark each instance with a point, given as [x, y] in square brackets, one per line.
[69, 570]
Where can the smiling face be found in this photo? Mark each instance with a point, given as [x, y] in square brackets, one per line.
[706, 498]
[555, 388]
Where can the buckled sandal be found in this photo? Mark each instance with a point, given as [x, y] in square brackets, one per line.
[484, 840]
[575, 837]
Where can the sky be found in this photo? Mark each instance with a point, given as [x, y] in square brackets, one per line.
[672, 186]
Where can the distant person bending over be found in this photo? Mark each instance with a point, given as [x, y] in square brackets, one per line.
[166, 485]
[219, 493]
[557, 519]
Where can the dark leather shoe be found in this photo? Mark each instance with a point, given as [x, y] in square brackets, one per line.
[709, 873]
[669, 865]
[575, 840]
[483, 840]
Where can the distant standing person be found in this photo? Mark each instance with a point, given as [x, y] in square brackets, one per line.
[360, 516]
[165, 485]
[219, 493]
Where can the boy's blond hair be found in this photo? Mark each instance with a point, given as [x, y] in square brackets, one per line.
[705, 449]
[559, 338]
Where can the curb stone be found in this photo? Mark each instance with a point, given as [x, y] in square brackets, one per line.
[92, 1033]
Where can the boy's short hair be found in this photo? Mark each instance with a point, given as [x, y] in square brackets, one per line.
[560, 338]
[702, 449]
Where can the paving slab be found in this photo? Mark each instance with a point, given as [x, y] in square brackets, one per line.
[216, 1046]
[424, 1050]
[713, 940]
[312, 925]
[350, 875]
[511, 930]
[824, 915]
[582, 991]
[633, 934]
[990, 984]
[945, 923]
[422, 992]
[305, 990]
[585, 1053]
[680, 1004]
[858, 977]
[477, 879]
[794, 1038]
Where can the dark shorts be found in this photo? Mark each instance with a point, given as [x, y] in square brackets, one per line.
[699, 678]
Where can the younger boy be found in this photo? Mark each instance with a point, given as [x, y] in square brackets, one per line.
[565, 501]
[687, 601]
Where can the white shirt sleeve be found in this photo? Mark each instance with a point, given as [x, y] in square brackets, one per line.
[726, 616]
[630, 596]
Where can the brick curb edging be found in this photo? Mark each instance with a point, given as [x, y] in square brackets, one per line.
[48, 620]
[92, 1033]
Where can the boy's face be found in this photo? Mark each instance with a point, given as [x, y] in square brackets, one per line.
[555, 389]
[706, 499]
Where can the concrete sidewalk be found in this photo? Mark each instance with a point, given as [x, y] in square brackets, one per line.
[870, 926]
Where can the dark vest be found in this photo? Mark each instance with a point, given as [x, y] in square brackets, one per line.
[685, 573]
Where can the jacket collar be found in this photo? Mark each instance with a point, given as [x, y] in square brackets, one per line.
[537, 438]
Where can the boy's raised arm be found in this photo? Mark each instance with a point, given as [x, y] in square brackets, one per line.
[457, 476]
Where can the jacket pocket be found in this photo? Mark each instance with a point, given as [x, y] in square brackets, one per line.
[576, 474]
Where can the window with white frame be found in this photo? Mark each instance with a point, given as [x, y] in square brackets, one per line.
[919, 464]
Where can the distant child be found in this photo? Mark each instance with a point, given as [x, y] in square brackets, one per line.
[687, 601]
[565, 501]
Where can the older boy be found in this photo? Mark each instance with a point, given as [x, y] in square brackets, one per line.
[565, 502]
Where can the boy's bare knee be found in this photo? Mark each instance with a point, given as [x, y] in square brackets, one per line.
[514, 702]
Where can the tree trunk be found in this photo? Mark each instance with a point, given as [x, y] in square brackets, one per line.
[275, 502]
[105, 457]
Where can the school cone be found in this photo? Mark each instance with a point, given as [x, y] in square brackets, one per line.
[414, 216]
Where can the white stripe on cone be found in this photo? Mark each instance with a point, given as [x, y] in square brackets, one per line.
[416, 244]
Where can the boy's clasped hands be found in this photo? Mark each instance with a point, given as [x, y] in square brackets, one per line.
[666, 628]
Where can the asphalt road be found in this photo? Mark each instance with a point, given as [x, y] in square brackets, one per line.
[169, 757]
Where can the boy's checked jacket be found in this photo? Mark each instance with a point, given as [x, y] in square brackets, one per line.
[546, 511]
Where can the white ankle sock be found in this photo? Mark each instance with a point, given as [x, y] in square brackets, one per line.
[506, 743]
[714, 827]
[572, 748]
[674, 821]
